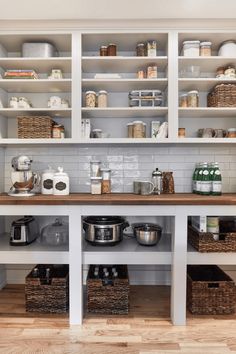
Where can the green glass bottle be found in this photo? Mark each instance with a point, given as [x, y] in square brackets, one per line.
[205, 180]
[216, 180]
[199, 178]
[195, 174]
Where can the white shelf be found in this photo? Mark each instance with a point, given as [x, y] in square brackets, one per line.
[207, 64]
[31, 254]
[125, 141]
[207, 112]
[128, 112]
[121, 85]
[129, 252]
[55, 113]
[40, 65]
[195, 257]
[202, 84]
[37, 85]
[15, 141]
[121, 64]
[206, 140]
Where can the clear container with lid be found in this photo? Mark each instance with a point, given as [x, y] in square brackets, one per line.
[90, 99]
[55, 234]
[191, 48]
[141, 50]
[106, 180]
[183, 102]
[96, 185]
[95, 168]
[231, 133]
[193, 98]
[205, 49]
[138, 129]
[102, 98]
[103, 51]
[111, 49]
[130, 130]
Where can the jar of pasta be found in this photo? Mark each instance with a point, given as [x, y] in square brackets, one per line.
[102, 98]
[193, 98]
[205, 49]
[90, 99]
[138, 129]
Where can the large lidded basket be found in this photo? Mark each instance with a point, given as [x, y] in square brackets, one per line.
[35, 127]
[210, 291]
[222, 95]
[44, 294]
[111, 298]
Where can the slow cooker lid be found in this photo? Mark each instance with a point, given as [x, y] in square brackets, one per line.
[104, 220]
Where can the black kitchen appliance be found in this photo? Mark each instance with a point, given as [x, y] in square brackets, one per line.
[24, 231]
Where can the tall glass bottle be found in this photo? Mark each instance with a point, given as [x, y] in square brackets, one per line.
[216, 180]
[195, 174]
[199, 178]
[205, 180]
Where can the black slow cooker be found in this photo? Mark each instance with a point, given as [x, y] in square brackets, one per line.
[104, 230]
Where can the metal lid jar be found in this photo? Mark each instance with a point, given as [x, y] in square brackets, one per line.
[90, 99]
[205, 49]
[193, 98]
[111, 50]
[141, 50]
[102, 98]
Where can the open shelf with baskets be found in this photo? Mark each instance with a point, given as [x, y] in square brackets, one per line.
[38, 91]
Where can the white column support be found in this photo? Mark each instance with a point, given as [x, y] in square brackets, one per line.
[179, 264]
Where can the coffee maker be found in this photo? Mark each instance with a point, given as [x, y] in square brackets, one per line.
[23, 179]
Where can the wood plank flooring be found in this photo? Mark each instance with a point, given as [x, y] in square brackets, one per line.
[146, 330]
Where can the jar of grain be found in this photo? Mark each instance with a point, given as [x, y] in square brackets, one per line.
[183, 101]
[106, 180]
[130, 130]
[205, 49]
[181, 132]
[103, 51]
[138, 129]
[232, 133]
[90, 99]
[152, 72]
[141, 50]
[111, 50]
[193, 98]
[102, 98]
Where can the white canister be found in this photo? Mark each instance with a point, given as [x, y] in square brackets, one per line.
[227, 49]
[47, 181]
[61, 182]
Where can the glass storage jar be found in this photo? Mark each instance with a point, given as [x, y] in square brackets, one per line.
[90, 99]
[111, 50]
[96, 185]
[106, 180]
[191, 48]
[138, 129]
[152, 72]
[103, 51]
[205, 49]
[193, 98]
[232, 133]
[102, 98]
[130, 130]
[183, 101]
[141, 50]
[151, 48]
[55, 234]
[95, 168]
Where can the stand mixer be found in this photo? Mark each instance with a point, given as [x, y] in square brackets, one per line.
[23, 179]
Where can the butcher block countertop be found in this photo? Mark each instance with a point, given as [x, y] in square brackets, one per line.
[120, 199]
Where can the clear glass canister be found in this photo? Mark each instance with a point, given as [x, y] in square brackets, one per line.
[141, 50]
[183, 100]
[90, 99]
[103, 51]
[96, 185]
[95, 168]
[193, 98]
[138, 129]
[152, 72]
[205, 49]
[102, 98]
[106, 180]
[232, 133]
[111, 49]
[130, 130]
[151, 48]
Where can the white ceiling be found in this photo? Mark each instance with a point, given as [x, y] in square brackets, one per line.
[116, 9]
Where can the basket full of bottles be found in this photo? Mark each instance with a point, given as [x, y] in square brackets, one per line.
[108, 289]
[207, 179]
[47, 289]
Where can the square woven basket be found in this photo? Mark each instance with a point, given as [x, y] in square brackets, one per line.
[205, 242]
[35, 127]
[222, 95]
[210, 291]
[108, 299]
[43, 297]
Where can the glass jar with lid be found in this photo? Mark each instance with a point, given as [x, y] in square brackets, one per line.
[183, 102]
[102, 98]
[141, 50]
[111, 50]
[55, 234]
[106, 180]
[205, 49]
[138, 129]
[130, 130]
[103, 51]
[231, 133]
[90, 99]
[193, 98]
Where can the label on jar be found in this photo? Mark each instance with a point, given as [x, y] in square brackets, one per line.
[48, 183]
[60, 186]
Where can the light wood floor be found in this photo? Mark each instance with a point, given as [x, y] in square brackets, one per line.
[147, 329]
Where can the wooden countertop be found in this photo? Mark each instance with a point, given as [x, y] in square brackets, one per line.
[120, 199]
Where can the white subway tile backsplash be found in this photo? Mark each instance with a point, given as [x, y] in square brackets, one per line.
[127, 163]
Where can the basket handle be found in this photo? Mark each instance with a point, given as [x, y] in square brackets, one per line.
[213, 285]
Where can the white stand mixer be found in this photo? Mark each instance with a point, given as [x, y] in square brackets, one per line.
[23, 179]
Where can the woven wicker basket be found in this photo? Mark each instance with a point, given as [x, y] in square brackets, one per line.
[209, 290]
[35, 127]
[52, 297]
[222, 95]
[108, 299]
[205, 242]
